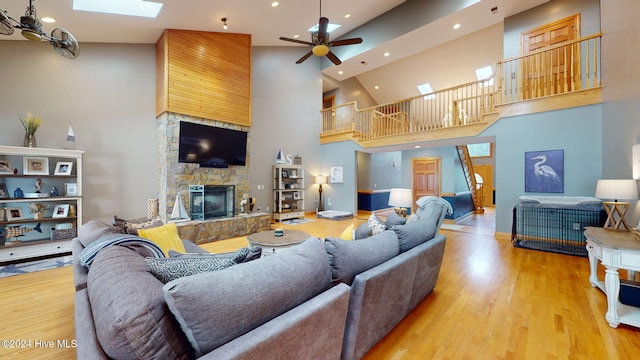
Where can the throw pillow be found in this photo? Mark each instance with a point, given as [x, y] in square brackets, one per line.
[250, 253]
[172, 268]
[375, 224]
[132, 226]
[350, 258]
[393, 220]
[165, 236]
[363, 231]
[347, 234]
[415, 233]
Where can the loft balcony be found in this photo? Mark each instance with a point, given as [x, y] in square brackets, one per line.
[562, 76]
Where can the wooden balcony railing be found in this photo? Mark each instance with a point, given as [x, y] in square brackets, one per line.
[569, 67]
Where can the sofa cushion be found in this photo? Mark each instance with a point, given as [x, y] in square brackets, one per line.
[94, 229]
[347, 233]
[394, 219]
[415, 233]
[216, 307]
[166, 236]
[349, 258]
[131, 318]
[172, 268]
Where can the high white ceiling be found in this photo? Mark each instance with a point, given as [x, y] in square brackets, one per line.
[266, 23]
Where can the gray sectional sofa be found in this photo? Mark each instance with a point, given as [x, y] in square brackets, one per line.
[318, 300]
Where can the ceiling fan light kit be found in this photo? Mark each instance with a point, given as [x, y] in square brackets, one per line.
[320, 43]
[31, 28]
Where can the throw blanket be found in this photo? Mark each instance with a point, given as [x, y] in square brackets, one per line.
[425, 200]
[89, 253]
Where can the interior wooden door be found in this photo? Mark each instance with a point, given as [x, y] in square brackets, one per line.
[551, 72]
[486, 171]
[426, 175]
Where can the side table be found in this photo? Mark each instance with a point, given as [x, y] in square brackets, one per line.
[615, 250]
[269, 242]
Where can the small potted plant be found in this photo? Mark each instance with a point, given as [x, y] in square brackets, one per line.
[31, 124]
[37, 209]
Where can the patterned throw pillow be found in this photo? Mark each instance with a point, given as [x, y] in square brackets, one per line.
[172, 268]
[375, 224]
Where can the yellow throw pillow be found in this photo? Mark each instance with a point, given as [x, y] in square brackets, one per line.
[347, 234]
[165, 236]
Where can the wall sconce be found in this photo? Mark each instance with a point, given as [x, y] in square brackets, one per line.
[401, 199]
[320, 179]
[616, 189]
[224, 23]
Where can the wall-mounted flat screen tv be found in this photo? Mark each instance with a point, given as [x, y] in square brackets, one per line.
[211, 146]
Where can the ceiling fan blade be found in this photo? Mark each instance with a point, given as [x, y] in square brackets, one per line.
[345, 42]
[305, 57]
[322, 28]
[295, 40]
[334, 59]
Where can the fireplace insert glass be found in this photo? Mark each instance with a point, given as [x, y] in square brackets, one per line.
[211, 201]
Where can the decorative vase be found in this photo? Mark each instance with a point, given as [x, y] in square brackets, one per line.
[30, 140]
[18, 193]
[54, 191]
[38, 215]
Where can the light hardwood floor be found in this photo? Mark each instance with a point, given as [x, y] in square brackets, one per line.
[492, 301]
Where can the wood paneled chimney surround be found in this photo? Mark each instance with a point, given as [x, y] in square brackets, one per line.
[204, 75]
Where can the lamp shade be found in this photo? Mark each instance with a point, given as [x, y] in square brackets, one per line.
[400, 198]
[321, 179]
[617, 189]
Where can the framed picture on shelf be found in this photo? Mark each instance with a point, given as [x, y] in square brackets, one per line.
[35, 166]
[296, 195]
[71, 189]
[14, 214]
[60, 211]
[63, 168]
[285, 174]
[5, 167]
[4, 193]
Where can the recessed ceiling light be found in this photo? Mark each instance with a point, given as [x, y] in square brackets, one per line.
[274, 4]
[48, 20]
[456, 26]
[417, 147]
[387, 53]
[376, 87]
[340, 72]
[120, 7]
[296, 36]
[346, 16]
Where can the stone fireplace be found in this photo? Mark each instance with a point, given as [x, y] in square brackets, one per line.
[175, 177]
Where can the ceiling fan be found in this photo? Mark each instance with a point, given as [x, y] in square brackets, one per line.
[320, 42]
[62, 41]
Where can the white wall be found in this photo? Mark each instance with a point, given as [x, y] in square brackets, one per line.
[107, 95]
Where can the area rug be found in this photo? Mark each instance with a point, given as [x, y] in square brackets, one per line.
[451, 227]
[32, 266]
[295, 221]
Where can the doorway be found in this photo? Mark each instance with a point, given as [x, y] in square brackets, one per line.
[551, 72]
[426, 178]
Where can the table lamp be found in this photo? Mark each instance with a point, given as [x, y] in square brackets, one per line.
[401, 199]
[320, 179]
[616, 189]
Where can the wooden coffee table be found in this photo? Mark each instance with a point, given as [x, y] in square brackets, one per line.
[271, 243]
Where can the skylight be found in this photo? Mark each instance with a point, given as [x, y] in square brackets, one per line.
[330, 27]
[120, 7]
[485, 73]
[426, 89]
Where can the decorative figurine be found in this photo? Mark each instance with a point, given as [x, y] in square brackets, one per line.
[38, 185]
[54, 191]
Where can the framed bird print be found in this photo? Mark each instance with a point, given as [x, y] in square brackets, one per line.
[544, 171]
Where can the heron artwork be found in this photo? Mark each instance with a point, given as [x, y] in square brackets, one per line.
[544, 171]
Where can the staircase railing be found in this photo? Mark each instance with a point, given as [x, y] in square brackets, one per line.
[564, 68]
